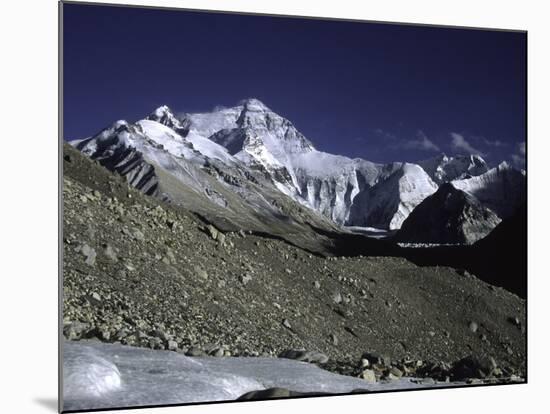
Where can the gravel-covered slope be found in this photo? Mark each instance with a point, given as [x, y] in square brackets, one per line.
[142, 272]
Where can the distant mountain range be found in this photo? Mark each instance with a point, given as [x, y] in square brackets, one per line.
[253, 167]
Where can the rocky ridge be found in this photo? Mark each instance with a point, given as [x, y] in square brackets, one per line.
[450, 216]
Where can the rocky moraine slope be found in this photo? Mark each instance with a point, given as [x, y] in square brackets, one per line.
[141, 271]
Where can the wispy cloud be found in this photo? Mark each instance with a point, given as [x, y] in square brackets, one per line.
[420, 142]
[459, 143]
[496, 143]
[385, 134]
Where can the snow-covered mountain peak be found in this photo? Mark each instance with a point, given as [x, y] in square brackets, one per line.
[503, 166]
[253, 104]
[249, 140]
[443, 168]
[164, 115]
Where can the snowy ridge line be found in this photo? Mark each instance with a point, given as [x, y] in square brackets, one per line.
[251, 139]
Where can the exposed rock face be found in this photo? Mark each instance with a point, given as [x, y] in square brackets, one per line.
[449, 216]
[502, 189]
[442, 168]
[163, 115]
[391, 201]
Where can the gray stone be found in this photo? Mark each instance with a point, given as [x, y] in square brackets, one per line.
[268, 393]
[212, 231]
[396, 372]
[369, 376]
[75, 330]
[392, 377]
[474, 367]
[172, 345]
[317, 285]
[138, 235]
[169, 257]
[89, 253]
[378, 359]
[473, 326]
[245, 279]
[303, 355]
[194, 351]
[286, 324]
[110, 253]
[217, 352]
[200, 272]
[121, 334]
[162, 335]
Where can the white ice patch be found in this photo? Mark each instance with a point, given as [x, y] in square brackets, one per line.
[88, 374]
[99, 375]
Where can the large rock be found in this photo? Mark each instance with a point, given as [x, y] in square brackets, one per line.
[89, 254]
[303, 355]
[275, 393]
[473, 367]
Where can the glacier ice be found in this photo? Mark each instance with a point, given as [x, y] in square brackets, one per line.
[101, 375]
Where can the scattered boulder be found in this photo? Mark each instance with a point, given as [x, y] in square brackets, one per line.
[303, 355]
[337, 297]
[396, 372]
[89, 253]
[194, 352]
[201, 273]
[377, 359]
[473, 326]
[217, 352]
[110, 253]
[212, 231]
[245, 278]
[514, 321]
[138, 235]
[75, 330]
[275, 393]
[369, 376]
[473, 367]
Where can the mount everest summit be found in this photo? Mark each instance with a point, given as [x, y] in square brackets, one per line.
[252, 168]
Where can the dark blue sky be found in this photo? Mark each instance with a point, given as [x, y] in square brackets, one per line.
[377, 91]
